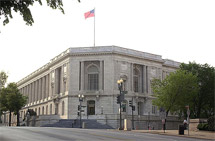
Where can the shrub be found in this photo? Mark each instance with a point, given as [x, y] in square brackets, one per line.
[211, 123]
[202, 126]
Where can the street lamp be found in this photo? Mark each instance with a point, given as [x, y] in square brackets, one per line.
[120, 82]
[81, 97]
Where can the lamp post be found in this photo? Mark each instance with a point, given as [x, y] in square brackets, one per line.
[81, 97]
[120, 82]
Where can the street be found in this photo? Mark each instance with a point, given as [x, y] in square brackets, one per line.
[74, 134]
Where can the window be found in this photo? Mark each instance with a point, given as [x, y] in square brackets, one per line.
[62, 108]
[140, 108]
[136, 80]
[50, 109]
[56, 109]
[91, 107]
[39, 111]
[93, 78]
[154, 109]
[43, 110]
[46, 109]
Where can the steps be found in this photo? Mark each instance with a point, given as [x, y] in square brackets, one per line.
[75, 123]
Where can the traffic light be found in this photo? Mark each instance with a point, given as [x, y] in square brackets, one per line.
[133, 108]
[79, 107]
[130, 103]
[118, 99]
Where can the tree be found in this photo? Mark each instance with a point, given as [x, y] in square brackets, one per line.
[3, 79]
[204, 101]
[12, 100]
[22, 6]
[175, 92]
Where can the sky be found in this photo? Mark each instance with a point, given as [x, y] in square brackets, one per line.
[180, 30]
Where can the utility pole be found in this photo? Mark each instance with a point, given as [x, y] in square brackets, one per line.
[132, 111]
[120, 98]
[81, 97]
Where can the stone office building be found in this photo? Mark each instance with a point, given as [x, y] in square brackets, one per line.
[93, 72]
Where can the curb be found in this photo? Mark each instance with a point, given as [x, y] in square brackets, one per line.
[186, 136]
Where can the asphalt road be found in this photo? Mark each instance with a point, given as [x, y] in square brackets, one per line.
[74, 134]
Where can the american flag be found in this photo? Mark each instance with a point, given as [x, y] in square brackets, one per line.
[89, 14]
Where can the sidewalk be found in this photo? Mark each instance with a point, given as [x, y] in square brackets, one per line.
[192, 134]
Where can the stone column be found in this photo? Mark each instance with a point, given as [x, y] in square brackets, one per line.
[61, 80]
[132, 77]
[47, 85]
[144, 79]
[82, 75]
[44, 87]
[52, 81]
[33, 91]
[100, 75]
[56, 82]
[30, 93]
[147, 79]
[40, 89]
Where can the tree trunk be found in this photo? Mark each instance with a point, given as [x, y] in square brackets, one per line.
[10, 119]
[17, 123]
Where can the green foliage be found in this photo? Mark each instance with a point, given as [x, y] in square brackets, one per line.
[23, 7]
[203, 126]
[175, 92]
[211, 123]
[3, 79]
[203, 104]
[11, 99]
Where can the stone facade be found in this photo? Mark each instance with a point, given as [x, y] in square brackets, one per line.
[93, 72]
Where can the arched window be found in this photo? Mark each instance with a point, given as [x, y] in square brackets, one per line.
[56, 109]
[91, 107]
[62, 108]
[43, 110]
[93, 78]
[50, 109]
[36, 111]
[46, 109]
[136, 80]
[39, 111]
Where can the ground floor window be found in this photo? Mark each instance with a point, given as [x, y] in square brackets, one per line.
[140, 108]
[91, 107]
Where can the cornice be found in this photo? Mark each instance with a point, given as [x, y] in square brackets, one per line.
[99, 50]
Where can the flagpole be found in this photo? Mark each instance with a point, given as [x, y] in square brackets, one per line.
[94, 27]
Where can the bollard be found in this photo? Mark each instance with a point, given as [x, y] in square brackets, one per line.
[83, 125]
